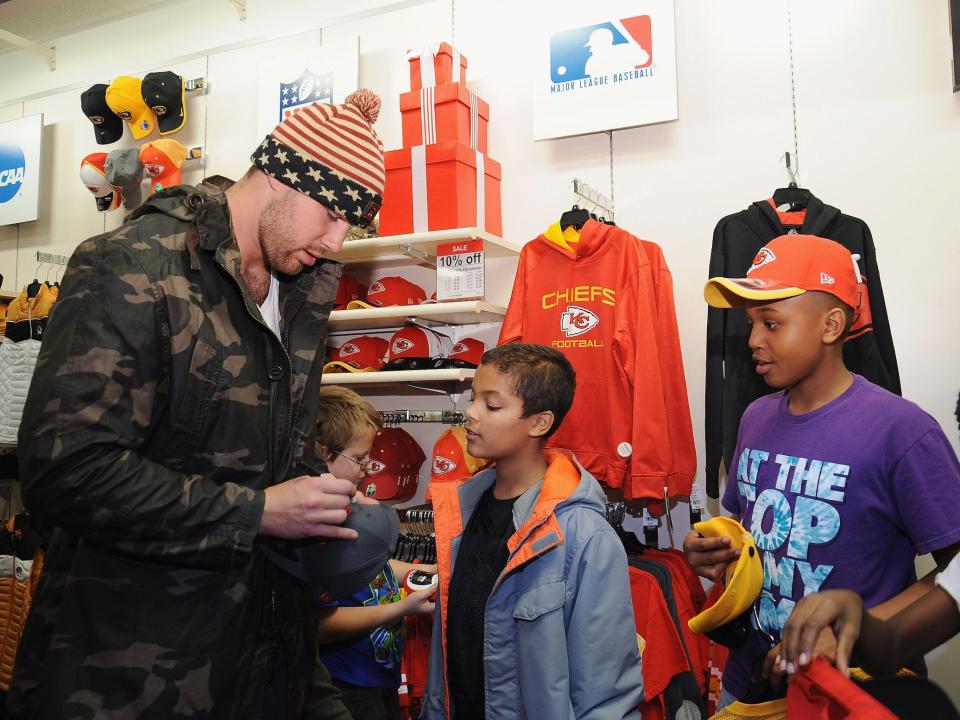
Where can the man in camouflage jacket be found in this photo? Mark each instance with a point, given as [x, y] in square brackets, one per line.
[161, 437]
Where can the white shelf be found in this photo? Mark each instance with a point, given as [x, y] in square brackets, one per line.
[387, 249]
[399, 377]
[465, 312]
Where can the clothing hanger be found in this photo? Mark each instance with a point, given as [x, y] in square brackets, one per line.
[33, 289]
[796, 197]
[575, 217]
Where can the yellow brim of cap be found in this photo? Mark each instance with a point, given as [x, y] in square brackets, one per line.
[744, 578]
[358, 305]
[134, 124]
[340, 366]
[721, 292]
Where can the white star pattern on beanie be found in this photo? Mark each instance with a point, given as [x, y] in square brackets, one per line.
[281, 155]
[353, 194]
[291, 176]
[264, 158]
[315, 174]
[337, 174]
[327, 193]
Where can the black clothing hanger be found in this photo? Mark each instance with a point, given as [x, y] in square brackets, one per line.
[33, 289]
[575, 217]
[796, 197]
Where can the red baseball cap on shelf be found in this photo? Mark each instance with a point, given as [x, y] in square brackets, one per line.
[360, 354]
[395, 462]
[416, 348]
[465, 353]
[348, 290]
[391, 291]
[788, 266]
[451, 460]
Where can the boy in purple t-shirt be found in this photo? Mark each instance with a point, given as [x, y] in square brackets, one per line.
[841, 483]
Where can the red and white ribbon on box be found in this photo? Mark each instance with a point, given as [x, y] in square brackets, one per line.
[428, 116]
[428, 75]
[418, 169]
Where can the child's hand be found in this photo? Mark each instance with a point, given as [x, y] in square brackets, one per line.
[420, 602]
[708, 557]
[839, 610]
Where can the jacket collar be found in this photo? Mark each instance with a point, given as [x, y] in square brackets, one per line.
[768, 222]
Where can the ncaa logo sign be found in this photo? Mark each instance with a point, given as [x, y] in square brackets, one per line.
[13, 166]
[615, 46]
[577, 320]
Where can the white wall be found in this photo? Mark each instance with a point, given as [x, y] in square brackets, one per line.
[879, 136]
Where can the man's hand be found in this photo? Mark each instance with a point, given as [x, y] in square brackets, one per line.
[708, 557]
[308, 506]
[804, 635]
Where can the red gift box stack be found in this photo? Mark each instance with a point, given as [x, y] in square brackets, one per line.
[442, 178]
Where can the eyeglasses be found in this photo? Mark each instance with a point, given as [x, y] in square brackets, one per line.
[363, 463]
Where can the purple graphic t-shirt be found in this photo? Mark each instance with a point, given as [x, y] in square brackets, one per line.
[842, 497]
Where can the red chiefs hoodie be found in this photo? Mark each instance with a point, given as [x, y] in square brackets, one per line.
[595, 298]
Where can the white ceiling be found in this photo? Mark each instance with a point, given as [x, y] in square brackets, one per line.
[43, 21]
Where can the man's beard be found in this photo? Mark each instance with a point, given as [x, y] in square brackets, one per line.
[275, 237]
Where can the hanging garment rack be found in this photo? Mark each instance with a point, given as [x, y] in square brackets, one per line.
[397, 417]
[602, 205]
[43, 257]
[420, 517]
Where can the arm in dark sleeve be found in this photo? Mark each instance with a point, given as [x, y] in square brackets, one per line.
[713, 394]
[89, 412]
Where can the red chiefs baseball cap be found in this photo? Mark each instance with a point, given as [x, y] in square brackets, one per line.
[389, 292]
[395, 462]
[465, 353]
[349, 290]
[451, 461]
[361, 354]
[162, 160]
[416, 348]
[93, 174]
[788, 266]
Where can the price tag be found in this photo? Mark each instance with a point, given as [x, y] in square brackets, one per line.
[648, 519]
[696, 499]
[460, 271]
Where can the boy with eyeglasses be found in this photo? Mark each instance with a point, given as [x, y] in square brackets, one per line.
[361, 637]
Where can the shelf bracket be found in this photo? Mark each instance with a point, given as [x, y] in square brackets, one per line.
[50, 53]
[241, 6]
[411, 252]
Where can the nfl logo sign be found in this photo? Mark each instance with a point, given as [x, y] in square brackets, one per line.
[306, 89]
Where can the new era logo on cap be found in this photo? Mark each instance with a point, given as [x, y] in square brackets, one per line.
[827, 279]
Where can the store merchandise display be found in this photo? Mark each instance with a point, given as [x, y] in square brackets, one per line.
[416, 348]
[395, 462]
[465, 353]
[390, 291]
[605, 299]
[366, 353]
[125, 100]
[93, 174]
[107, 127]
[348, 290]
[452, 462]
[162, 160]
[442, 177]
[164, 94]
[124, 170]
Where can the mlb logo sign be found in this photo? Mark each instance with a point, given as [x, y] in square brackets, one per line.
[604, 66]
[306, 89]
[602, 49]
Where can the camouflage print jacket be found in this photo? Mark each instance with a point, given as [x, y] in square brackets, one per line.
[160, 408]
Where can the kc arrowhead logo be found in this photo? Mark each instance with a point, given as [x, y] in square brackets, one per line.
[442, 465]
[577, 320]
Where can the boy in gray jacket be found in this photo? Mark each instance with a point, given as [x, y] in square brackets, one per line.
[534, 613]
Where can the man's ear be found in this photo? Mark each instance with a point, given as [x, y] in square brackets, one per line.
[325, 453]
[542, 422]
[834, 326]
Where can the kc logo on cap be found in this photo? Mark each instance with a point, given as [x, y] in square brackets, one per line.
[362, 354]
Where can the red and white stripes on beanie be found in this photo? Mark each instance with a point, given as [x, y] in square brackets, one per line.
[331, 153]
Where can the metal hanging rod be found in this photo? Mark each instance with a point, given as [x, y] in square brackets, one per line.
[448, 417]
[600, 202]
[43, 257]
